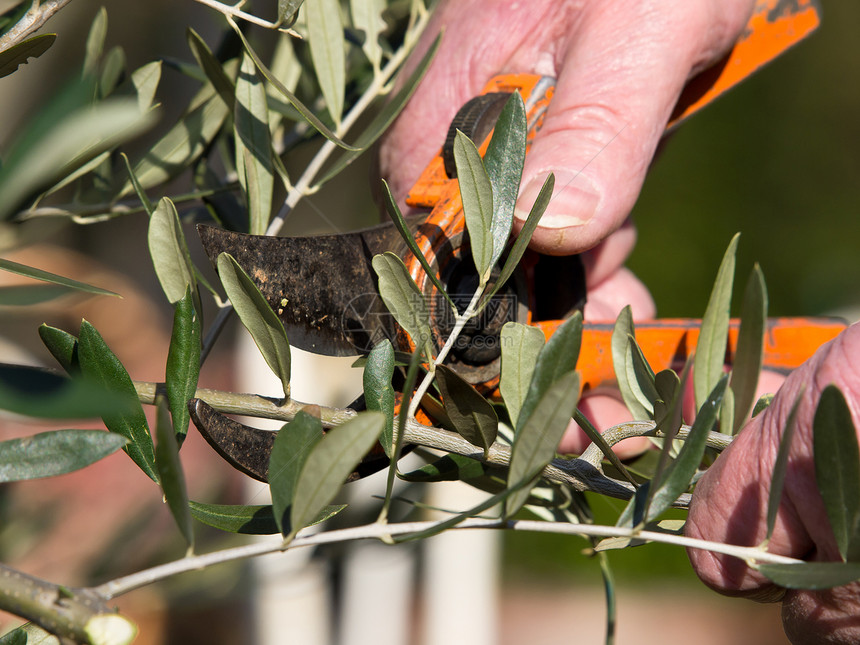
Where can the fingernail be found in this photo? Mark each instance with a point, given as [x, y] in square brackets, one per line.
[574, 201]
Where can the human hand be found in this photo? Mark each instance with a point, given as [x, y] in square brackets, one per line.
[730, 503]
[620, 66]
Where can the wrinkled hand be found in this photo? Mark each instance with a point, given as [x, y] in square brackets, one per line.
[730, 502]
[620, 66]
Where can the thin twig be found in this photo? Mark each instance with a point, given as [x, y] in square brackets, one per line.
[228, 10]
[128, 583]
[31, 21]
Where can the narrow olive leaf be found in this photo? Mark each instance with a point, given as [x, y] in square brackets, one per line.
[169, 252]
[253, 145]
[62, 345]
[145, 80]
[521, 345]
[20, 54]
[113, 69]
[477, 194]
[329, 464]
[183, 363]
[16, 637]
[287, 10]
[100, 365]
[307, 115]
[749, 354]
[170, 472]
[378, 390]
[406, 234]
[524, 237]
[39, 393]
[138, 189]
[257, 317]
[292, 446]
[471, 414]
[504, 160]
[367, 18]
[325, 38]
[248, 520]
[557, 357]
[213, 69]
[610, 596]
[402, 297]
[713, 336]
[762, 404]
[48, 454]
[448, 468]
[182, 144]
[595, 436]
[640, 376]
[536, 442]
[68, 144]
[780, 466]
[676, 478]
[53, 278]
[812, 575]
[837, 469]
[385, 117]
[95, 42]
[621, 356]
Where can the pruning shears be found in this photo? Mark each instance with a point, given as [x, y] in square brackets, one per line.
[324, 289]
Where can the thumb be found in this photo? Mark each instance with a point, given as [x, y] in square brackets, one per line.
[619, 79]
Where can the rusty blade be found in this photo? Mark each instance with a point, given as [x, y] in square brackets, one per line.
[322, 288]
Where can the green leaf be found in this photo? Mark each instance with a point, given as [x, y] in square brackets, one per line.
[292, 446]
[44, 276]
[558, 357]
[257, 317]
[594, 435]
[48, 454]
[384, 118]
[183, 363]
[367, 17]
[112, 70]
[325, 38]
[329, 464]
[35, 392]
[525, 235]
[138, 189]
[308, 116]
[170, 472]
[402, 297]
[378, 390]
[20, 53]
[100, 365]
[63, 347]
[504, 160]
[477, 193]
[183, 144]
[95, 42]
[145, 80]
[675, 479]
[812, 575]
[406, 234]
[471, 414]
[536, 441]
[762, 404]
[248, 520]
[287, 9]
[710, 354]
[253, 146]
[169, 252]
[213, 69]
[622, 354]
[521, 345]
[749, 354]
[640, 376]
[780, 467]
[837, 469]
[16, 637]
[448, 468]
[66, 145]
